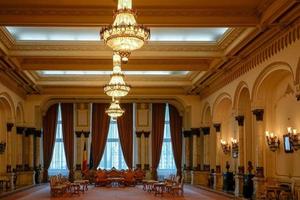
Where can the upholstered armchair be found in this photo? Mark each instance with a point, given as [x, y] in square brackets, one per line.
[101, 178]
[139, 175]
[129, 178]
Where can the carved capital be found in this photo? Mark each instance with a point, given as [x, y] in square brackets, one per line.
[20, 130]
[78, 133]
[146, 134]
[38, 133]
[86, 134]
[259, 114]
[205, 130]
[9, 127]
[240, 119]
[139, 134]
[195, 131]
[187, 134]
[29, 131]
[217, 126]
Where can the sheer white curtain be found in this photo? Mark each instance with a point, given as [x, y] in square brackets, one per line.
[113, 156]
[58, 163]
[166, 164]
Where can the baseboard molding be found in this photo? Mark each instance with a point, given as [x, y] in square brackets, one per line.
[4, 194]
[216, 191]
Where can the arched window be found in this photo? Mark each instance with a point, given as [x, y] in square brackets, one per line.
[113, 155]
[58, 163]
[166, 164]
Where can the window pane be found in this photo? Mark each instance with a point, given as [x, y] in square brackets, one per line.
[58, 163]
[167, 163]
[113, 155]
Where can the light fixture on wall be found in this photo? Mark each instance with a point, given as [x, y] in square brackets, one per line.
[272, 141]
[225, 147]
[235, 148]
[125, 35]
[294, 138]
[2, 147]
[114, 110]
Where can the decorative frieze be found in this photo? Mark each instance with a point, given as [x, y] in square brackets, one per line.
[187, 134]
[20, 130]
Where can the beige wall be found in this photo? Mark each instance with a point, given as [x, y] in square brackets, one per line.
[272, 87]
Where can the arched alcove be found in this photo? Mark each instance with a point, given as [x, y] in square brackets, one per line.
[222, 114]
[6, 116]
[275, 91]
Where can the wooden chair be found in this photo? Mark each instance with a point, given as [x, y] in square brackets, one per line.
[101, 178]
[139, 175]
[178, 188]
[129, 178]
[56, 188]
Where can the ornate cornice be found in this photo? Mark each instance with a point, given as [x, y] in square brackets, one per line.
[286, 36]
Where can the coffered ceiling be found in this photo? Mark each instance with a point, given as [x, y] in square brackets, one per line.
[193, 42]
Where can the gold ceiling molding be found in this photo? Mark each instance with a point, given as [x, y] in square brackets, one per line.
[284, 38]
[243, 17]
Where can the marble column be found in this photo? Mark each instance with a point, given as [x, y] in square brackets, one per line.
[19, 163]
[30, 132]
[9, 147]
[26, 149]
[146, 165]
[241, 163]
[259, 179]
[187, 162]
[259, 130]
[37, 156]
[86, 142]
[139, 149]
[196, 166]
[196, 136]
[78, 149]
[218, 179]
[206, 162]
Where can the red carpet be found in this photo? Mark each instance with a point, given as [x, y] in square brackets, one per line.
[131, 193]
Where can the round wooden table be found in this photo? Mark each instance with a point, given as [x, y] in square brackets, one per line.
[159, 188]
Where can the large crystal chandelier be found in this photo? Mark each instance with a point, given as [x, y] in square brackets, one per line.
[114, 110]
[125, 35]
[117, 86]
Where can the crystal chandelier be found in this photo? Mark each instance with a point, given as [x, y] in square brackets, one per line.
[116, 86]
[114, 110]
[125, 35]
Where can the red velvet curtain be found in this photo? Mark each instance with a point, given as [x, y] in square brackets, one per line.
[158, 124]
[125, 127]
[100, 126]
[176, 136]
[67, 116]
[49, 130]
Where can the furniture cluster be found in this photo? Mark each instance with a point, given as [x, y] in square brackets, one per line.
[173, 185]
[61, 186]
[116, 177]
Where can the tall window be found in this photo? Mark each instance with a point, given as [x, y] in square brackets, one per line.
[166, 164]
[113, 155]
[58, 164]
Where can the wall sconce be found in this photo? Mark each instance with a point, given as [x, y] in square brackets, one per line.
[272, 141]
[225, 146]
[294, 138]
[235, 148]
[2, 147]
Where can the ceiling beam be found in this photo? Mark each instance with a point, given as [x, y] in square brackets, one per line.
[178, 17]
[106, 64]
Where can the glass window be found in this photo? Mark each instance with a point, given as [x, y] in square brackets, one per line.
[58, 164]
[113, 155]
[167, 164]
